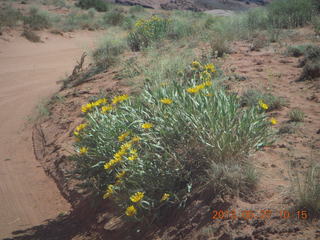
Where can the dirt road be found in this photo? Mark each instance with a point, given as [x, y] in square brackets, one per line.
[28, 73]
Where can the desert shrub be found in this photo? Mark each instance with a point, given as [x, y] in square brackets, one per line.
[9, 17]
[310, 63]
[147, 152]
[36, 19]
[31, 36]
[252, 97]
[307, 191]
[106, 54]
[114, 17]
[99, 5]
[296, 51]
[311, 70]
[296, 115]
[147, 31]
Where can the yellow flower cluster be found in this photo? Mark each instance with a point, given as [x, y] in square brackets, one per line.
[110, 191]
[121, 98]
[197, 88]
[79, 128]
[123, 151]
[87, 107]
[137, 197]
[263, 105]
[166, 100]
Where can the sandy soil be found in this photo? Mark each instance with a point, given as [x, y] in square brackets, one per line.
[28, 73]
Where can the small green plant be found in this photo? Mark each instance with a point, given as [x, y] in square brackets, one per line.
[219, 46]
[99, 5]
[36, 19]
[307, 191]
[251, 97]
[147, 31]
[31, 36]
[296, 115]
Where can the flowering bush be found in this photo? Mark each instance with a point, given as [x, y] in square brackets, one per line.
[147, 152]
[146, 31]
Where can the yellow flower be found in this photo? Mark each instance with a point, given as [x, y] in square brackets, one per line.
[210, 67]
[81, 127]
[137, 197]
[193, 90]
[196, 64]
[201, 86]
[130, 211]
[83, 150]
[124, 147]
[166, 100]
[273, 121]
[120, 174]
[263, 105]
[147, 125]
[165, 197]
[76, 133]
[106, 109]
[109, 192]
[87, 107]
[123, 136]
[120, 98]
